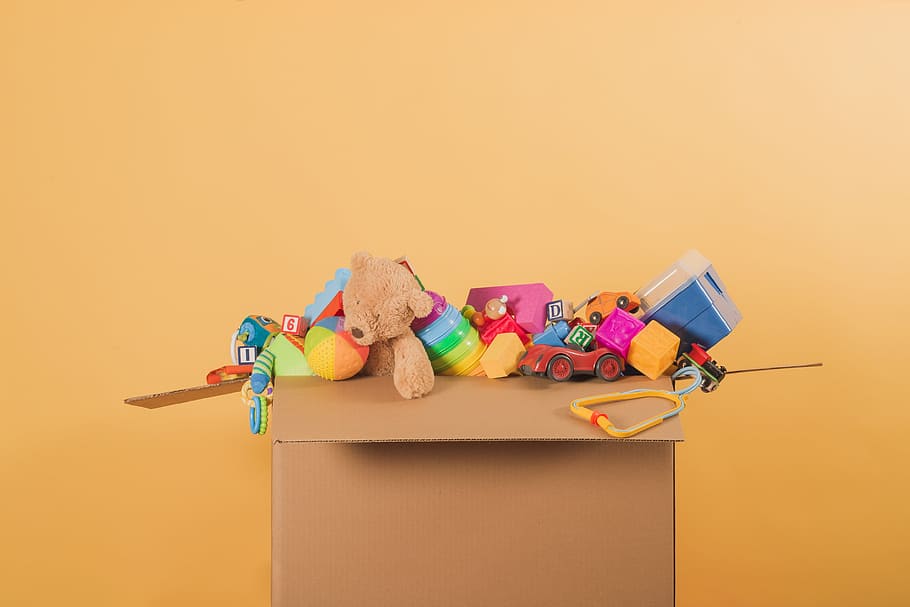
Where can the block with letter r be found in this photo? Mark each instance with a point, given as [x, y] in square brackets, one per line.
[580, 337]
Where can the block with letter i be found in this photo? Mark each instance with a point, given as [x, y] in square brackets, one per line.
[295, 325]
[246, 355]
[579, 337]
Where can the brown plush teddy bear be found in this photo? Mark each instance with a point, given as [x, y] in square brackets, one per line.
[380, 300]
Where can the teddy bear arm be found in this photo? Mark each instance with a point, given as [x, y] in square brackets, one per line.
[381, 359]
[413, 374]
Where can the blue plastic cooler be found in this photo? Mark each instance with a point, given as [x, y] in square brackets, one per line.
[690, 300]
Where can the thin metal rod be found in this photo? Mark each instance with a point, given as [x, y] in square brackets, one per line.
[775, 368]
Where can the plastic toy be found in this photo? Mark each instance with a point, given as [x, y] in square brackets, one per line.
[404, 261]
[283, 357]
[333, 287]
[553, 335]
[690, 300]
[600, 305]
[438, 308]
[561, 364]
[653, 350]
[259, 407]
[255, 330]
[496, 308]
[579, 337]
[677, 397]
[331, 352]
[503, 324]
[226, 373]
[246, 355]
[496, 319]
[712, 373]
[381, 300]
[527, 302]
[335, 307]
[451, 343]
[493, 310]
[502, 356]
[295, 325]
[617, 330]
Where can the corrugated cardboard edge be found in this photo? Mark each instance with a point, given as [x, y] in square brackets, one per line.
[505, 439]
[185, 395]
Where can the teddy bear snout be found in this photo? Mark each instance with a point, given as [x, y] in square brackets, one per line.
[357, 333]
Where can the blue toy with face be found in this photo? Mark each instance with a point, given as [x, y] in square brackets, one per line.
[256, 331]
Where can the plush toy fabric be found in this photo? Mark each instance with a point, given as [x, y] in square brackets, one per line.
[381, 299]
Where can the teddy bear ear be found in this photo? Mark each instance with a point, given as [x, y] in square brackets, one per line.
[359, 259]
[420, 303]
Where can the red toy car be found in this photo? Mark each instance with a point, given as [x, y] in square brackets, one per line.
[561, 364]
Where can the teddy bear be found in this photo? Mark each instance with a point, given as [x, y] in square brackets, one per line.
[380, 300]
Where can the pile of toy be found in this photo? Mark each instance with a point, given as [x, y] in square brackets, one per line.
[377, 318]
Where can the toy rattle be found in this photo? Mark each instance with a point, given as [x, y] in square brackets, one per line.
[259, 406]
[578, 406]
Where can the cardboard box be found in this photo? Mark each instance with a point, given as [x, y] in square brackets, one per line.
[485, 492]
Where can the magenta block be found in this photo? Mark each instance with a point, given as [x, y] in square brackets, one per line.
[528, 302]
[617, 330]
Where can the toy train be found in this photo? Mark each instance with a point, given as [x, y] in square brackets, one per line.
[711, 372]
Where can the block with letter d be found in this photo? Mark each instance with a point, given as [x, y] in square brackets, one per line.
[559, 309]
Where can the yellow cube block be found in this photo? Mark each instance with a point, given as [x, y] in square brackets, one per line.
[653, 350]
[503, 355]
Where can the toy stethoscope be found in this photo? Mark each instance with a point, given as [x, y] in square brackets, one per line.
[578, 406]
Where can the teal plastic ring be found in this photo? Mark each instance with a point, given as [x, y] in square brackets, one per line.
[256, 415]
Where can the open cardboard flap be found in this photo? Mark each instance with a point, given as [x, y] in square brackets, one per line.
[369, 409]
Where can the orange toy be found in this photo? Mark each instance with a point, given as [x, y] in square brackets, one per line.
[602, 304]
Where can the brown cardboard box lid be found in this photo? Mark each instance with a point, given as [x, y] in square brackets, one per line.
[369, 409]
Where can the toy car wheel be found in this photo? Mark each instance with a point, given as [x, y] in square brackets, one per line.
[682, 362]
[622, 302]
[608, 367]
[560, 368]
[595, 318]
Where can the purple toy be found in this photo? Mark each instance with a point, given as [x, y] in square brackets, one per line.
[439, 306]
[617, 330]
[528, 302]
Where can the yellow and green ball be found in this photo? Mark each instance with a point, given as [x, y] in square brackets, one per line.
[331, 351]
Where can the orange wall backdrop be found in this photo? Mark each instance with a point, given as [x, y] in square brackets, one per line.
[168, 167]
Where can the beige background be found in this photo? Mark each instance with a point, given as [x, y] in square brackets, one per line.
[168, 167]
